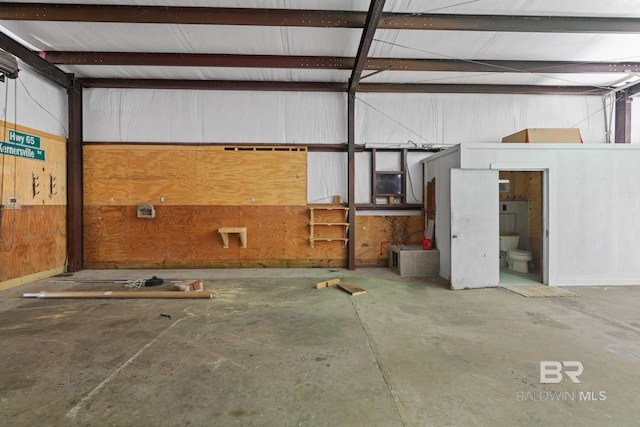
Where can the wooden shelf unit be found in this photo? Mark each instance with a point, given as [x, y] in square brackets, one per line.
[322, 216]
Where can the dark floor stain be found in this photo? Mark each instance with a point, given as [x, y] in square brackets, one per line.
[541, 319]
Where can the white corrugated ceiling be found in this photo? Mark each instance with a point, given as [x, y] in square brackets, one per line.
[468, 46]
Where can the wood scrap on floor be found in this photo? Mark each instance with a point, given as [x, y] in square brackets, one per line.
[327, 283]
[189, 286]
[120, 294]
[349, 288]
[352, 289]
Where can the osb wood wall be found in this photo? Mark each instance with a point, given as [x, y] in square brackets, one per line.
[119, 175]
[528, 186]
[34, 236]
[205, 188]
[374, 234]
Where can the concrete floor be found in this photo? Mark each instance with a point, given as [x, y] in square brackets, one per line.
[270, 350]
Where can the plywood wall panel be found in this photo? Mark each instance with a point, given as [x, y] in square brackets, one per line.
[40, 223]
[105, 163]
[253, 177]
[534, 190]
[187, 236]
[105, 233]
[193, 175]
[205, 188]
[527, 185]
[375, 233]
[39, 242]
[19, 173]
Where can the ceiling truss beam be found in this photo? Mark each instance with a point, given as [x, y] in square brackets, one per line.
[39, 65]
[333, 63]
[314, 18]
[481, 88]
[373, 17]
[214, 85]
[338, 87]
[511, 23]
[181, 15]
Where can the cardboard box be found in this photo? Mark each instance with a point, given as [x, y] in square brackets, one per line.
[546, 135]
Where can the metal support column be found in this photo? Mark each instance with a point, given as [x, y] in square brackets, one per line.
[74, 180]
[371, 23]
[623, 117]
[351, 176]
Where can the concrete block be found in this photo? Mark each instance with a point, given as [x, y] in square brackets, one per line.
[413, 261]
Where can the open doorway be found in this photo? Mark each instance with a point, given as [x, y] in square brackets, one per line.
[522, 219]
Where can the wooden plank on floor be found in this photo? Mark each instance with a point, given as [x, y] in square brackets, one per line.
[539, 291]
[351, 289]
[327, 283]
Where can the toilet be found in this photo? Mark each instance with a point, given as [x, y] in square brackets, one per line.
[517, 260]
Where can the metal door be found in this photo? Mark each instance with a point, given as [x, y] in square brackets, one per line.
[475, 251]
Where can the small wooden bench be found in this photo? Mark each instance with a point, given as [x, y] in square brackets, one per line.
[241, 231]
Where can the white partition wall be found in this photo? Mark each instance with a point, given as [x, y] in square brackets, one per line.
[593, 199]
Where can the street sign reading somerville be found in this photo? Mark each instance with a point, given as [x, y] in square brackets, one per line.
[22, 145]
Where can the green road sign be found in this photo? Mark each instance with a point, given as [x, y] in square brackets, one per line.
[21, 151]
[24, 139]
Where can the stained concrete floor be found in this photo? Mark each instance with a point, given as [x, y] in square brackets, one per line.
[270, 350]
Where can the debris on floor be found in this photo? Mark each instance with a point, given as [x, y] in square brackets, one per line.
[189, 286]
[351, 289]
[327, 283]
[154, 281]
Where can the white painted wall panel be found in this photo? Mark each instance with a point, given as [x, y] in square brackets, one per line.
[189, 116]
[438, 167]
[326, 176]
[450, 119]
[40, 105]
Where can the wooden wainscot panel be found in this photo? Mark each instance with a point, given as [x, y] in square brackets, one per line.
[187, 237]
[180, 233]
[36, 237]
[34, 233]
[283, 233]
[375, 233]
[105, 235]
